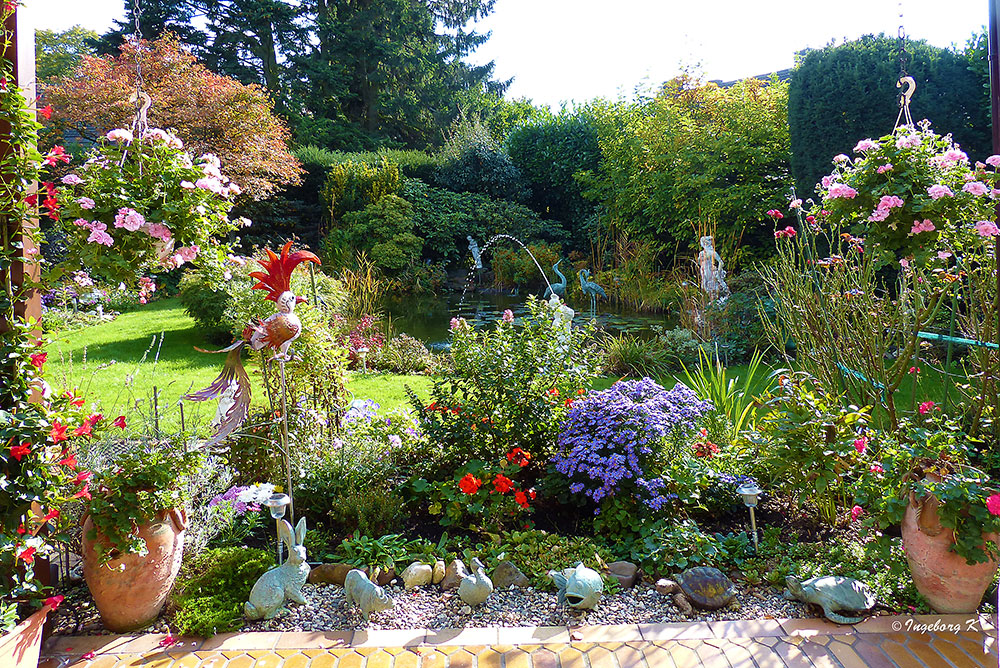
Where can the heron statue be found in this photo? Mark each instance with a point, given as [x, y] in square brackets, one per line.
[591, 289]
[556, 288]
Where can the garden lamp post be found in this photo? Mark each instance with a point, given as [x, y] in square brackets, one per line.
[363, 356]
[277, 504]
[749, 491]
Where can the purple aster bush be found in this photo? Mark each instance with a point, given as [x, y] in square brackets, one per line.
[615, 443]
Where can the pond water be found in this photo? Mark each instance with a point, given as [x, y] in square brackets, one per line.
[428, 318]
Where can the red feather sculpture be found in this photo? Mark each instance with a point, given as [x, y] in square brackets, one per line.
[275, 332]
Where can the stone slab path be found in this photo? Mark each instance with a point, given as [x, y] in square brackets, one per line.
[923, 641]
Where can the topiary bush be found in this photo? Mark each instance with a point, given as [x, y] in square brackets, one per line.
[352, 186]
[212, 588]
[472, 161]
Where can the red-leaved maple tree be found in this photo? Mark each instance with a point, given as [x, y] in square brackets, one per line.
[209, 112]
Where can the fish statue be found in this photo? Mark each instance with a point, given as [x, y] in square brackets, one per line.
[276, 332]
[579, 587]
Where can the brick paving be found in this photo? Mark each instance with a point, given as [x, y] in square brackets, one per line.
[926, 641]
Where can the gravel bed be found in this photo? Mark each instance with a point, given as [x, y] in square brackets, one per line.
[429, 608]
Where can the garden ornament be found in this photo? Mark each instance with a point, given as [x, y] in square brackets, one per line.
[282, 583]
[477, 259]
[579, 587]
[276, 332]
[556, 288]
[591, 289]
[705, 587]
[368, 596]
[711, 270]
[475, 588]
[832, 593]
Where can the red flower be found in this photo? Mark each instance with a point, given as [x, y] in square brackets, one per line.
[568, 403]
[119, 421]
[169, 641]
[860, 444]
[77, 401]
[84, 493]
[21, 529]
[27, 555]
[926, 407]
[774, 213]
[521, 498]
[84, 429]
[55, 601]
[88, 656]
[46, 112]
[31, 200]
[581, 391]
[81, 477]
[519, 457]
[552, 392]
[56, 155]
[51, 515]
[18, 451]
[532, 494]
[432, 406]
[58, 432]
[69, 461]
[469, 483]
[914, 370]
[38, 359]
[503, 484]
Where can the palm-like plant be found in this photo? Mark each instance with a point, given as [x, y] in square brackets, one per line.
[734, 396]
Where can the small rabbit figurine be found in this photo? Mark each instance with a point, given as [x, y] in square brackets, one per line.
[369, 597]
[477, 587]
[281, 583]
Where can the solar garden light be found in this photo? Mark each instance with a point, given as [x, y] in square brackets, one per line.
[749, 491]
[363, 354]
[278, 504]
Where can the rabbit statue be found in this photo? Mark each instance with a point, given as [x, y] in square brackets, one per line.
[282, 583]
[475, 588]
[364, 593]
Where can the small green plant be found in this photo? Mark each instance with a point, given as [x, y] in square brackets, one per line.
[212, 588]
[629, 355]
[733, 396]
[376, 553]
[665, 548]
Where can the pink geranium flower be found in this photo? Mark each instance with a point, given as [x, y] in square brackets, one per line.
[841, 190]
[130, 219]
[975, 188]
[158, 231]
[85, 203]
[508, 316]
[993, 504]
[922, 226]
[99, 236]
[860, 444]
[856, 512]
[938, 191]
[71, 179]
[926, 407]
[841, 158]
[865, 145]
[908, 141]
[120, 134]
[887, 167]
[987, 228]
[993, 161]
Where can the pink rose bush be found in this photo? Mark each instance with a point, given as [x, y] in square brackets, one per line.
[141, 200]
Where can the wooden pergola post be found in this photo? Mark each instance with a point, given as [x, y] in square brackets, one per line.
[21, 53]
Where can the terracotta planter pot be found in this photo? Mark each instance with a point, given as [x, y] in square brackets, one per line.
[20, 647]
[132, 597]
[948, 583]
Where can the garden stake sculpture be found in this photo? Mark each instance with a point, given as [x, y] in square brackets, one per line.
[556, 288]
[591, 289]
[276, 332]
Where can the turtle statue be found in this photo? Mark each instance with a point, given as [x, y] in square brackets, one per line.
[832, 593]
[703, 586]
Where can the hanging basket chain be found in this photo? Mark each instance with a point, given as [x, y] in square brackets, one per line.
[141, 100]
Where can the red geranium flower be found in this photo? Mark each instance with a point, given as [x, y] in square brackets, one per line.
[521, 498]
[58, 432]
[519, 457]
[552, 392]
[469, 483]
[38, 359]
[502, 483]
[18, 451]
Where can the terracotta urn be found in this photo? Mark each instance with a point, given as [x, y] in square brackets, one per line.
[944, 578]
[131, 589]
[21, 646]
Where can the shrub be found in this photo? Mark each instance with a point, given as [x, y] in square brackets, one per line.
[666, 549]
[511, 387]
[402, 354]
[535, 552]
[444, 218]
[629, 355]
[212, 588]
[515, 268]
[472, 161]
[384, 230]
[352, 186]
[679, 347]
[615, 444]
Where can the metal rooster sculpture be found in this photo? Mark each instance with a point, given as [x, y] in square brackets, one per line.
[275, 332]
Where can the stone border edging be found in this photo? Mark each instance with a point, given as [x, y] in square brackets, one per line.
[526, 635]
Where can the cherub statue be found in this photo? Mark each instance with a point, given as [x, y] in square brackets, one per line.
[276, 332]
[711, 270]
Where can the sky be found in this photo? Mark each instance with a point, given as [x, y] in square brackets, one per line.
[565, 50]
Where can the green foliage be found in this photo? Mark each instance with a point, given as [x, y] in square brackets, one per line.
[402, 354]
[663, 174]
[807, 442]
[139, 487]
[664, 548]
[735, 397]
[385, 552]
[840, 94]
[412, 164]
[535, 552]
[384, 230]
[678, 347]
[510, 388]
[549, 152]
[58, 53]
[352, 186]
[212, 588]
[472, 161]
[514, 268]
[630, 355]
[444, 218]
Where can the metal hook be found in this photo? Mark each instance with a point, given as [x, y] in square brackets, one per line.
[911, 85]
[141, 124]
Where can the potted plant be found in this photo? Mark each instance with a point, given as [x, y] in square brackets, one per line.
[133, 535]
[40, 479]
[947, 509]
